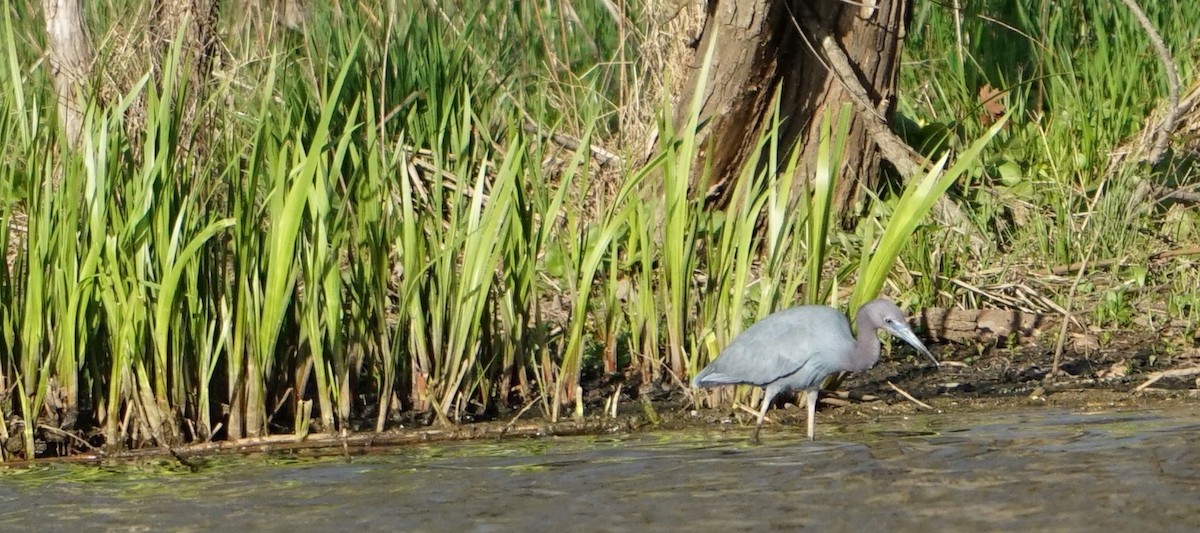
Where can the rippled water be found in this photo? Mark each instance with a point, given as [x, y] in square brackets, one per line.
[1032, 471]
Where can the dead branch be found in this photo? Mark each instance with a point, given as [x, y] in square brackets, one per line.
[1167, 127]
[602, 156]
[1104, 263]
[1174, 373]
[906, 160]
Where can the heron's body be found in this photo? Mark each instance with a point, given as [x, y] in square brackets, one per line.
[796, 349]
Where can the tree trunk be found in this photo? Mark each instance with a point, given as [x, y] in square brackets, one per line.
[768, 45]
[199, 46]
[197, 51]
[69, 58]
[70, 62]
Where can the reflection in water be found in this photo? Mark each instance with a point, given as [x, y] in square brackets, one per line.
[1036, 470]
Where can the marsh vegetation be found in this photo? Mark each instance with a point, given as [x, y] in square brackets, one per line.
[433, 212]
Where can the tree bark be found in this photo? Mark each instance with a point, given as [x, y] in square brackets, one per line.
[199, 45]
[763, 48]
[70, 61]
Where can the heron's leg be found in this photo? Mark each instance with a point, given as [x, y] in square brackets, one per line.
[811, 396]
[768, 396]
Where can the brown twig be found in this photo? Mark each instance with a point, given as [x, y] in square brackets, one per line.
[67, 434]
[846, 395]
[1179, 195]
[1104, 263]
[753, 412]
[907, 161]
[185, 461]
[1173, 373]
[1067, 317]
[510, 424]
[602, 156]
[1162, 137]
[910, 398]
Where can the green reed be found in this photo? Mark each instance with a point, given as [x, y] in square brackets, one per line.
[355, 223]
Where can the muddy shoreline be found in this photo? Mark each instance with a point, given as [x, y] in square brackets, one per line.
[1137, 373]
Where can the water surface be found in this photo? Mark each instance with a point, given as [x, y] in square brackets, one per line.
[1042, 470]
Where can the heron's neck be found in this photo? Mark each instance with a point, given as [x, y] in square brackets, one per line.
[866, 347]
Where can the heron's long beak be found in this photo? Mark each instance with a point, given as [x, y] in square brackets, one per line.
[906, 334]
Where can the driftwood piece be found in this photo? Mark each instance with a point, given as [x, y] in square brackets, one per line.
[987, 325]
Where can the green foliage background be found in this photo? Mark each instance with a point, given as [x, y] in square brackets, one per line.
[371, 217]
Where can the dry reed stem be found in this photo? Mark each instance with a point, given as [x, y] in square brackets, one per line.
[753, 413]
[1067, 316]
[1173, 373]
[1162, 134]
[909, 397]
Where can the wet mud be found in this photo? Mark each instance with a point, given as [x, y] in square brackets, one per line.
[988, 441]
[1128, 374]
[1136, 373]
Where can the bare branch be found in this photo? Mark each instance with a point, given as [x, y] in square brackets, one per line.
[906, 160]
[1164, 55]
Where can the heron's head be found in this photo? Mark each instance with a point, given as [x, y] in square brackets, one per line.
[883, 314]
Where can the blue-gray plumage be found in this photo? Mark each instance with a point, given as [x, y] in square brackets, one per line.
[796, 349]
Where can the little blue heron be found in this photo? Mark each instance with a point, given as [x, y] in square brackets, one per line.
[796, 349]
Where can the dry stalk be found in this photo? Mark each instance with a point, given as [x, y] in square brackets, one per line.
[1175, 373]
[1067, 317]
[909, 397]
[1167, 127]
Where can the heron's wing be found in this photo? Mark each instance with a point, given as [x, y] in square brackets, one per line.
[777, 366]
[800, 345]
